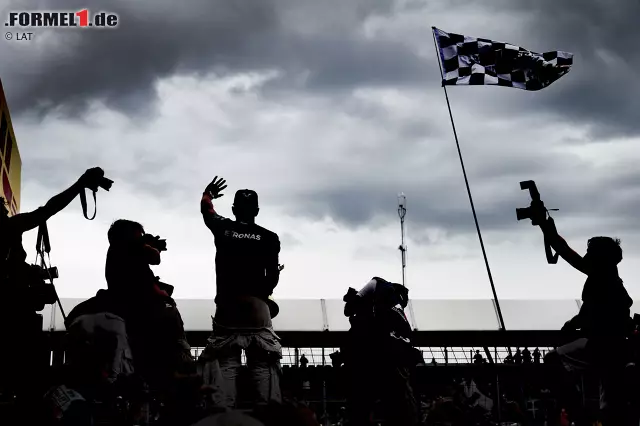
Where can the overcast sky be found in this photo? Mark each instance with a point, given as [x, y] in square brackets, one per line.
[328, 110]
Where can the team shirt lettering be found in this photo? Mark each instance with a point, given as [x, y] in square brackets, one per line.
[234, 234]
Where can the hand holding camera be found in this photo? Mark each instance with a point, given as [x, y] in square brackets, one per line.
[539, 216]
[94, 178]
[215, 188]
[537, 212]
[352, 294]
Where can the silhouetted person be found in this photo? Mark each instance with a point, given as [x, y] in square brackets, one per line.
[433, 361]
[536, 356]
[508, 359]
[336, 359]
[21, 369]
[161, 353]
[97, 349]
[159, 350]
[155, 327]
[98, 362]
[478, 358]
[379, 357]
[303, 361]
[247, 271]
[517, 357]
[526, 356]
[603, 321]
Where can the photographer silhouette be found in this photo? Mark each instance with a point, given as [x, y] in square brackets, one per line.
[130, 335]
[12, 254]
[20, 369]
[606, 303]
[155, 327]
[378, 355]
[603, 321]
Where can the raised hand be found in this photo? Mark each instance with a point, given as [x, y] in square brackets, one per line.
[215, 188]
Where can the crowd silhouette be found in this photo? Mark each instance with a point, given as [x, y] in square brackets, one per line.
[128, 362]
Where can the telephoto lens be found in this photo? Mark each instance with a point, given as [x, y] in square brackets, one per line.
[105, 183]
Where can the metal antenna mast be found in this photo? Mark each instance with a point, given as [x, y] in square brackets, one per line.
[402, 211]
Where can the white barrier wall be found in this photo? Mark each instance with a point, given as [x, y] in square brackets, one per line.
[428, 315]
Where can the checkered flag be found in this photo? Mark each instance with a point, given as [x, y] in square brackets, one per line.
[479, 61]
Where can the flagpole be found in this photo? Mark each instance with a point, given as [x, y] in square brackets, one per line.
[466, 181]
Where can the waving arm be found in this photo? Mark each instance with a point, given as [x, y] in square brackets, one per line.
[213, 191]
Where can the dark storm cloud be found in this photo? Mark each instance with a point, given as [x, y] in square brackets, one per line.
[324, 43]
[602, 89]
[605, 200]
[158, 39]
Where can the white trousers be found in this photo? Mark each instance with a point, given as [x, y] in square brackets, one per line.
[222, 362]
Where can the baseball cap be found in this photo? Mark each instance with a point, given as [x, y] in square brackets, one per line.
[246, 198]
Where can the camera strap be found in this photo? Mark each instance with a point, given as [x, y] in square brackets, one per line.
[552, 258]
[43, 245]
[83, 201]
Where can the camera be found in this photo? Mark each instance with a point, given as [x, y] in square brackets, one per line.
[46, 273]
[105, 183]
[155, 242]
[98, 180]
[531, 212]
[352, 295]
[93, 179]
[39, 292]
[537, 212]
[165, 287]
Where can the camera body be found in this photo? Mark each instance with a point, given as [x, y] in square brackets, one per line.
[105, 183]
[155, 241]
[165, 287]
[46, 273]
[351, 295]
[39, 292]
[100, 181]
[533, 211]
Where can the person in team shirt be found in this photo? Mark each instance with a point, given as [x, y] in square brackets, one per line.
[247, 271]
